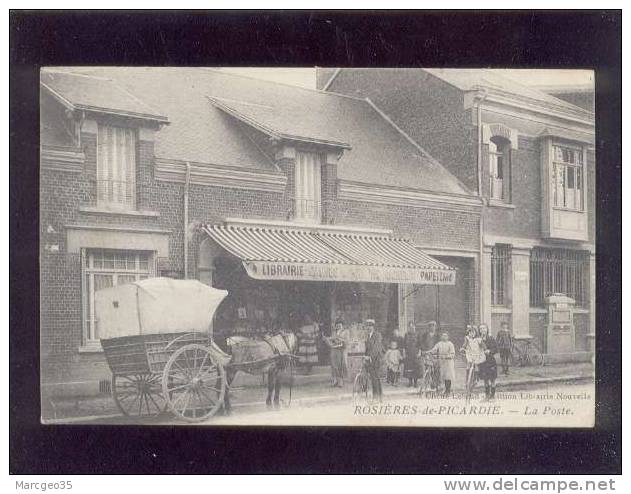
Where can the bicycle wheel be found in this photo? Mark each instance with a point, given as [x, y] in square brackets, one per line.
[517, 356]
[535, 356]
[470, 383]
[426, 383]
[362, 390]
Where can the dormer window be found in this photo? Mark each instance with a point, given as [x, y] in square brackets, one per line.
[116, 167]
[499, 163]
[308, 187]
[567, 175]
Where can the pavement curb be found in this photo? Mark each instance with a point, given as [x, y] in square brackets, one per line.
[335, 398]
[405, 391]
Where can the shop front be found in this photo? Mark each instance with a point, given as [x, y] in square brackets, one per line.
[276, 276]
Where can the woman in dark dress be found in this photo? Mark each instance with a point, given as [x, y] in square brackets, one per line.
[488, 368]
[411, 347]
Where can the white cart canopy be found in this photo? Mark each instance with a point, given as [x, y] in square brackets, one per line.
[156, 305]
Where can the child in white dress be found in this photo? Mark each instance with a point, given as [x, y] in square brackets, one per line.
[393, 360]
[473, 347]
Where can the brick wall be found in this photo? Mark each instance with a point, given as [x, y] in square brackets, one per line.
[329, 193]
[431, 112]
[525, 219]
[63, 194]
[426, 227]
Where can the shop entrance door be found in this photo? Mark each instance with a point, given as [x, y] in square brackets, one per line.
[300, 298]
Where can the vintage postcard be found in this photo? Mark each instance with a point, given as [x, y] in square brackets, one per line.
[317, 246]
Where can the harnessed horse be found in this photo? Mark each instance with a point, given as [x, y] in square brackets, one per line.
[271, 355]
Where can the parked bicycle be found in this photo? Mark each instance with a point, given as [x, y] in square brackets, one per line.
[362, 386]
[429, 379]
[526, 353]
[471, 379]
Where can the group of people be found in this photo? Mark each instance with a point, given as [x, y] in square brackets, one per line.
[407, 353]
[480, 349]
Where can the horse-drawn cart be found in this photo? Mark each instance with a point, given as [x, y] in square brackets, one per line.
[157, 339]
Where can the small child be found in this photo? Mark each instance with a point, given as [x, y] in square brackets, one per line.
[393, 359]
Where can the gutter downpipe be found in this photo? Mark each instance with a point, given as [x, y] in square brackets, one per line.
[186, 187]
[480, 97]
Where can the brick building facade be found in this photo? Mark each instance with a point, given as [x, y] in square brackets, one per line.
[134, 162]
[530, 157]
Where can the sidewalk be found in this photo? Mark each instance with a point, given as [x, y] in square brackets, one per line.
[315, 389]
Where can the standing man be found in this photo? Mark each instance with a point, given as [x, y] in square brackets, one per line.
[505, 345]
[374, 352]
[411, 348]
[488, 368]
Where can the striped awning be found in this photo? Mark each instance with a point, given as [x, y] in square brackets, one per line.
[272, 253]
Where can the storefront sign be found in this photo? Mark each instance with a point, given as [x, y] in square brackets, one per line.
[263, 270]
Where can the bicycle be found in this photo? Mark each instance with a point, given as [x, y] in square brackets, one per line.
[470, 381]
[362, 385]
[526, 353]
[428, 381]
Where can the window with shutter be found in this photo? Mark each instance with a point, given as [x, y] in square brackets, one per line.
[308, 188]
[116, 167]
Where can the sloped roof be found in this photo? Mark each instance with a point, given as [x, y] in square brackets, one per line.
[268, 119]
[473, 79]
[96, 94]
[202, 106]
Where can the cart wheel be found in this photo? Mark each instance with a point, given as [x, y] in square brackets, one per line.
[194, 383]
[138, 395]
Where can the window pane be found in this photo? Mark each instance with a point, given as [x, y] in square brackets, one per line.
[144, 263]
[570, 177]
[500, 269]
[124, 279]
[579, 189]
[120, 261]
[559, 185]
[102, 281]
